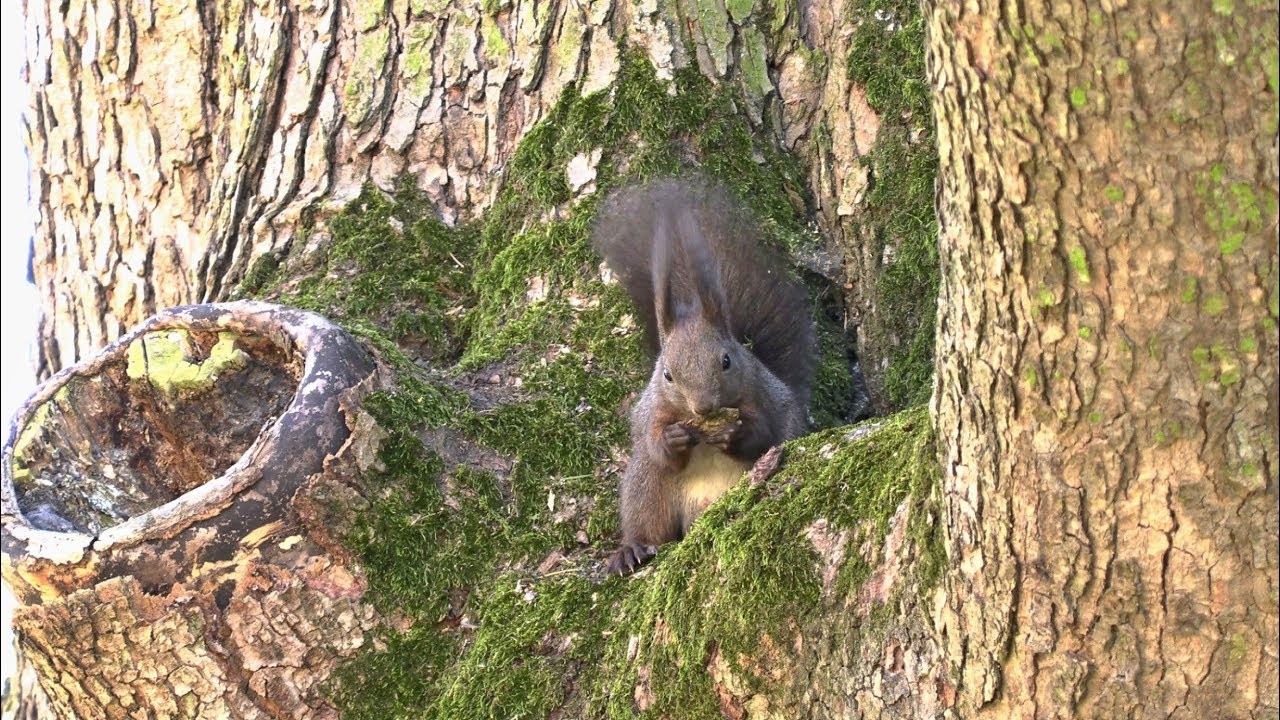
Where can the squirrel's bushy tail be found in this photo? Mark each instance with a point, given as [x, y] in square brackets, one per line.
[768, 310]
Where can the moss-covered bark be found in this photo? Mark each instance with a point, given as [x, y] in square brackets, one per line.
[507, 430]
[425, 173]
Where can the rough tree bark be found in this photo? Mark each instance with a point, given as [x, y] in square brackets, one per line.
[1107, 356]
[159, 187]
[1106, 395]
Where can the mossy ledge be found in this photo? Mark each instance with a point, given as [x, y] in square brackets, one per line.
[485, 531]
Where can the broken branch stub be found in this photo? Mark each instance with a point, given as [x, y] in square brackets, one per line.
[171, 509]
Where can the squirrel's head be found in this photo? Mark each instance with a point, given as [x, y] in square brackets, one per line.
[701, 364]
[701, 368]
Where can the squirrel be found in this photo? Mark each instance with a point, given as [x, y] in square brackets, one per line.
[734, 341]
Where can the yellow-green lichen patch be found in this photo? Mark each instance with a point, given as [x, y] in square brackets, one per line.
[418, 60]
[372, 50]
[1233, 210]
[711, 19]
[754, 63]
[171, 361]
[1079, 97]
[1080, 263]
[28, 435]
[1190, 289]
[1214, 303]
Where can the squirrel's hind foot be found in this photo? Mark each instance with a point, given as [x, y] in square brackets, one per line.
[630, 557]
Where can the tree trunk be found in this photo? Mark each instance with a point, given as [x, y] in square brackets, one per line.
[1107, 356]
[172, 511]
[159, 187]
[1106, 387]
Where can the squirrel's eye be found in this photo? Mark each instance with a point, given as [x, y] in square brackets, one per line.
[666, 374]
[724, 363]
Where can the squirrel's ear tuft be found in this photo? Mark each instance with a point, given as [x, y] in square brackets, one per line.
[704, 272]
[665, 300]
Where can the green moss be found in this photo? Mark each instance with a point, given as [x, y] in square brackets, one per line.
[1079, 98]
[1214, 304]
[886, 59]
[1085, 332]
[1271, 68]
[394, 266]
[451, 547]
[1248, 345]
[1190, 289]
[1080, 263]
[1232, 210]
[264, 271]
[1114, 193]
[833, 380]
[1223, 7]
[739, 10]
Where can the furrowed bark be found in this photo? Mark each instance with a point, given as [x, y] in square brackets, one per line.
[172, 147]
[1107, 360]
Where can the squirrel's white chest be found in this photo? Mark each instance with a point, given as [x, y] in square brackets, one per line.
[708, 475]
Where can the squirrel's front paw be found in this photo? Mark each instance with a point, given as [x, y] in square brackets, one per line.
[677, 438]
[629, 557]
[723, 437]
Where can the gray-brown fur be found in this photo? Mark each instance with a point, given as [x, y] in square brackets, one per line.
[708, 290]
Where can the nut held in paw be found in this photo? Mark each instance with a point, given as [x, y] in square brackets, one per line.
[714, 421]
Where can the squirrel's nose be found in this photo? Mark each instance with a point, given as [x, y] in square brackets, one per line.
[704, 407]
